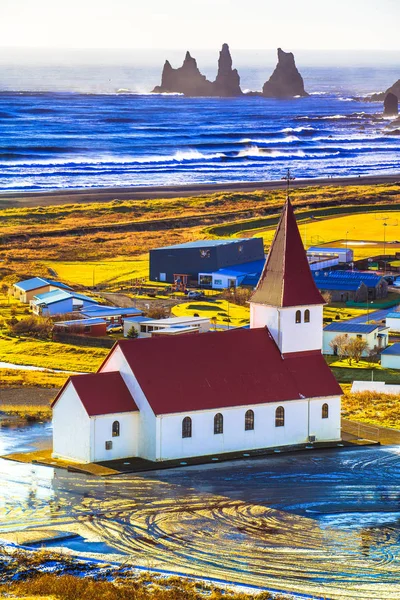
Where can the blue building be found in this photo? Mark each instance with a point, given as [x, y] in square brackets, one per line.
[184, 262]
[357, 286]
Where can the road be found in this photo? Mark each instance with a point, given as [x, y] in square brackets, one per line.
[324, 523]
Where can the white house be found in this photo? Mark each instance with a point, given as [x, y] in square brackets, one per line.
[344, 255]
[173, 397]
[393, 321]
[375, 335]
[146, 327]
[390, 357]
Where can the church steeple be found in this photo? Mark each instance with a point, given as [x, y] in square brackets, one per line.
[286, 299]
[286, 279]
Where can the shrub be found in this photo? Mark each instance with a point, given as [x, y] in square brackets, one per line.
[156, 312]
[38, 327]
[132, 333]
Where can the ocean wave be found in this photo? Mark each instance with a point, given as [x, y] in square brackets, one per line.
[289, 139]
[298, 129]
[255, 151]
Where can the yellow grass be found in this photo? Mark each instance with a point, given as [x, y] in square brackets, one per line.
[333, 310]
[51, 355]
[110, 270]
[28, 412]
[221, 309]
[44, 457]
[372, 407]
[359, 227]
[21, 378]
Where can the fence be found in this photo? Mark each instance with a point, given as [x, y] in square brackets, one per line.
[365, 431]
[83, 340]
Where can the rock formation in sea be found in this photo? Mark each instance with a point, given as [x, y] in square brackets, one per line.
[285, 81]
[188, 80]
[227, 82]
[391, 105]
[380, 96]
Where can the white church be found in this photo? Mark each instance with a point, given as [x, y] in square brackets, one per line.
[176, 397]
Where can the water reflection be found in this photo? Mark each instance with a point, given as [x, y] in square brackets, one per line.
[291, 522]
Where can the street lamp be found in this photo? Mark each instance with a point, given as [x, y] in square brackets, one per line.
[384, 247]
[368, 303]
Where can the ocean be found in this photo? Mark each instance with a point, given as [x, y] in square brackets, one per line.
[87, 124]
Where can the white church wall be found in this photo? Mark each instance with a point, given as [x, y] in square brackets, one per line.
[325, 429]
[71, 428]
[300, 337]
[124, 445]
[293, 337]
[234, 438]
[147, 420]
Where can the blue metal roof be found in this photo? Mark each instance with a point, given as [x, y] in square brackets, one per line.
[137, 319]
[393, 350]
[326, 284]
[109, 311]
[206, 243]
[250, 268]
[93, 321]
[37, 282]
[327, 249]
[393, 315]
[351, 327]
[31, 284]
[52, 297]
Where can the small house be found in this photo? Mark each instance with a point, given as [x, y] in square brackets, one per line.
[89, 327]
[57, 302]
[390, 357]
[375, 335]
[357, 286]
[344, 255]
[393, 321]
[146, 327]
[24, 291]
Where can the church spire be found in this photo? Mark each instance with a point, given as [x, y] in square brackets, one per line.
[286, 279]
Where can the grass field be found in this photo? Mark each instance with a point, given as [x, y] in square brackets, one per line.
[373, 408]
[51, 355]
[220, 309]
[21, 378]
[358, 228]
[108, 270]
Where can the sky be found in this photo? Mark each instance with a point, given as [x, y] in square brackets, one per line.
[201, 24]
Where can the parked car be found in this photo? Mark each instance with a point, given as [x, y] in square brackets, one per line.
[192, 295]
[114, 328]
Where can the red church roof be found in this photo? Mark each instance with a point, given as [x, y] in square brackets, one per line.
[286, 279]
[216, 370]
[101, 393]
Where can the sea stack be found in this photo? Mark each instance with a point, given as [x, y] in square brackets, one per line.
[187, 79]
[285, 81]
[227, 82]
[391, 105]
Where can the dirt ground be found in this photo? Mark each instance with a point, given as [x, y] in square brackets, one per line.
[33, 396]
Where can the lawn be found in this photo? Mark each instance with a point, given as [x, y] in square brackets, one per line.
[333, 310]
[51, 355]
[361, 371]
[225, 312]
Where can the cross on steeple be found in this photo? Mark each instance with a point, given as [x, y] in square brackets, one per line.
[288, 178]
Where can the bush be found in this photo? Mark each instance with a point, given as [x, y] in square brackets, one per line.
[156, 312]
[132, 333]
[38, 327]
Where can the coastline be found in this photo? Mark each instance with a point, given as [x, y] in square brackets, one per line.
[83, 195]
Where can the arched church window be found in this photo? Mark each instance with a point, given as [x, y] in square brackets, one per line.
[306, 316]
[280, 417]
[218, 423]
[298, 316]
[325, 411]
[187, 427]
[115, 429]
[249, 420]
